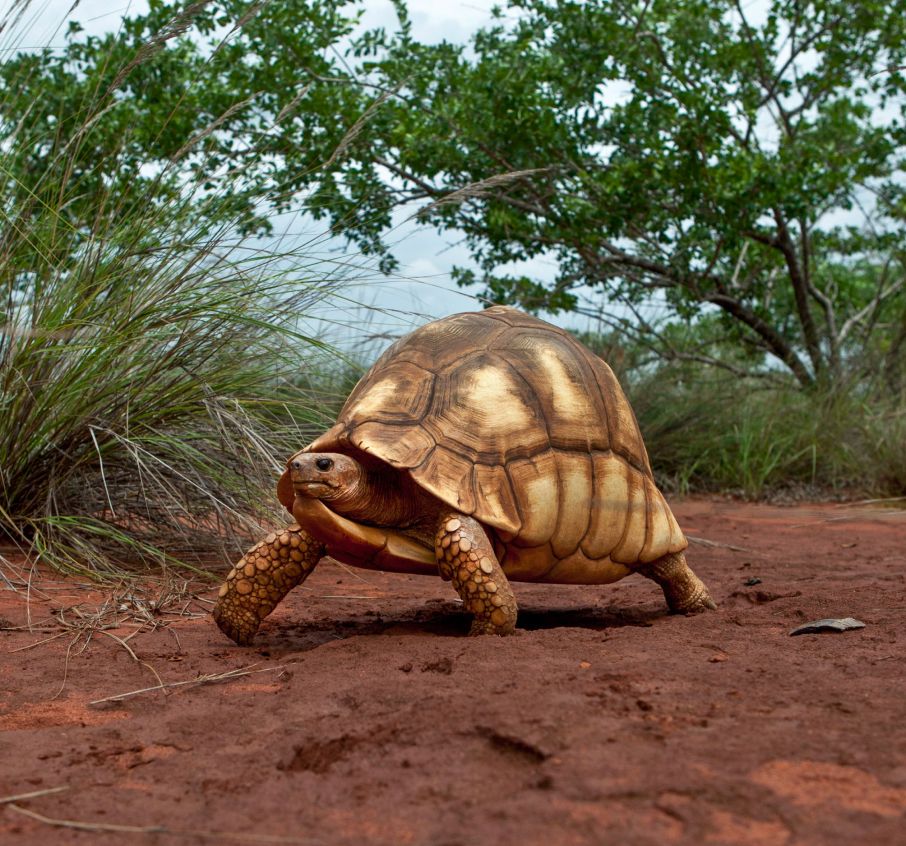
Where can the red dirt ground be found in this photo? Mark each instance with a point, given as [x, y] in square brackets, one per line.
[368, 717]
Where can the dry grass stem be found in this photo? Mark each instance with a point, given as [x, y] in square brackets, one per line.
[4, 800]
[482, 188]
[122, 608]
[208, 678]
[177, 26]
[291, 105]
[356, 128]
[844, 517]
[212, 127]
[37, 642]
[881, 501]
[717, 544]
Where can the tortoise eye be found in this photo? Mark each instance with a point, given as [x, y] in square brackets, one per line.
[324, 463]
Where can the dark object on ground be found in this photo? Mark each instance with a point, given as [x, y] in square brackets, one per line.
[830, 624]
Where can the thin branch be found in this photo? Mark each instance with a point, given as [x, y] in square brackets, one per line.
[430, 190]
[800, 291]
[717, 544]
[875, 304]
[775, 342]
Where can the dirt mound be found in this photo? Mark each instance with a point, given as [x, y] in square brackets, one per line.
[364, 715]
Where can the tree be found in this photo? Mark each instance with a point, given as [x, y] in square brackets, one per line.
[676, 149]
[745, 174]
[144, 123]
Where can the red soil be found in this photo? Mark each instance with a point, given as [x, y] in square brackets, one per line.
[369, 718]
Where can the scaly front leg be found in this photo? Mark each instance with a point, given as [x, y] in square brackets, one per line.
[466, 557]
[261, 578]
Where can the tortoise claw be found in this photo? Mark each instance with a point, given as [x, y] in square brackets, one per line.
[240, 627]
[685, 592]
[696, 605]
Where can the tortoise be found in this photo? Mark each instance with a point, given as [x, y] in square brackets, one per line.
[487, 447]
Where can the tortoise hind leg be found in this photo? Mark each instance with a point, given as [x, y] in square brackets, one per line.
[261, 578]
[466, 558]
[684, 591]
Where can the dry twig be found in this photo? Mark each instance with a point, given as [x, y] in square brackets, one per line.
[872, 501]
[717, 544]
[5, 800]
[123, 607]
[207, 678]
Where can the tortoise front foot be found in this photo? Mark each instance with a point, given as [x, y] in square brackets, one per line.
[261, 578]
[466, 558]
[238, 624]
[684, 591]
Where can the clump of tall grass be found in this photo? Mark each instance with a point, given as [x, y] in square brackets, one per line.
[709, 432]
[141, 406]
[149, 362]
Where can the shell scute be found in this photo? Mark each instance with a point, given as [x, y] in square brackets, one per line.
[608, 505]
[498, 502]
[403, 447]
[514, 317]
[663, 530]
[448, 475]
[574, 478]
[564, 392]
[535, 483]
[624, 435]
[579, 569]
[398, 393]
[527, 563]
[658, 526]
[630, 545]
[435, 346]
[485, 410]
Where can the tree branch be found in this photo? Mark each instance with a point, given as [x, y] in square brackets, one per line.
[860, 315]
[800, 292]
[429, 189]
[774, 341]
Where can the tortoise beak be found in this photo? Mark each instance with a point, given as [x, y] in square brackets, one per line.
[312, 489]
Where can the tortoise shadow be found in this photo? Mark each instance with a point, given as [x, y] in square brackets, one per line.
[442, 620]
[534, 619]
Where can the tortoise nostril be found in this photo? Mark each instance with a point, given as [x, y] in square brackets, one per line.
[296, 465]
[324, 464]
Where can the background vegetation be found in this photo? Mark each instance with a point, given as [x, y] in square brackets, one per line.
[738, 176]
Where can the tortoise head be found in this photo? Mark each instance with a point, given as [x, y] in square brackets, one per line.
[325, 475]
[359, 488]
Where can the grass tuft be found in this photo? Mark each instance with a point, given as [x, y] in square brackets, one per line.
[712, 433]
[153, 376]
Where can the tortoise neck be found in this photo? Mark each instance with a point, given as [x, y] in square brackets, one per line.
[379, 497]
